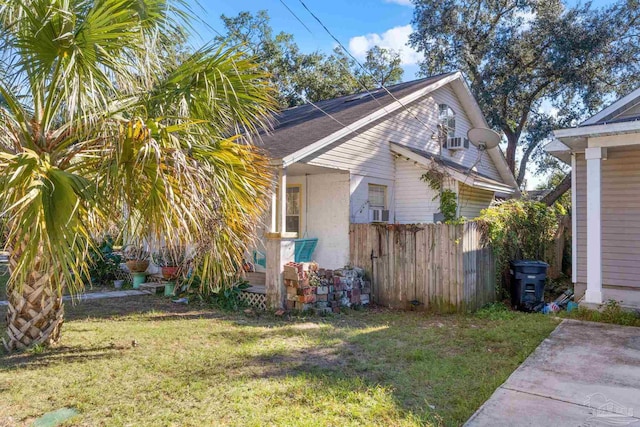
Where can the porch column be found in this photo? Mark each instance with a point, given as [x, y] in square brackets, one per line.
[274, 210]
[283, 200]
[280, 250]
[594, 157]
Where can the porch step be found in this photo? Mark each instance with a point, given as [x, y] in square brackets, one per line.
[256, 279]
[152, 287]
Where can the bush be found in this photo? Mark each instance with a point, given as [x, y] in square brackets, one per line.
[229, 298]
[226, 298]
[519, 229]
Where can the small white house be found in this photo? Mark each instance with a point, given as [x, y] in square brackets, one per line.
[359, 159]
[604, 153]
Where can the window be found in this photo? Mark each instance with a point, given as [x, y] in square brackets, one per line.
[293, 209]
[446, 121]
[377, 196]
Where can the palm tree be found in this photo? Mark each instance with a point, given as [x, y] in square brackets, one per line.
[97, 127]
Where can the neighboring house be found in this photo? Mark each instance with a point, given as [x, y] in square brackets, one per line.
[604, 153]
[359, 159]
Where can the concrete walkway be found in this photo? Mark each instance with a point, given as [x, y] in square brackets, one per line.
[101, 295]
[584, 374]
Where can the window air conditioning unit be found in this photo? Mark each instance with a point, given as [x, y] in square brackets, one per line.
[457, 143]
[378, 215]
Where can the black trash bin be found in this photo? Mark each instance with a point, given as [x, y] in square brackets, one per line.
[527, 284]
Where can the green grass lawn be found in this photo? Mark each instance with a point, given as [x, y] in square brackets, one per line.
[193, 367]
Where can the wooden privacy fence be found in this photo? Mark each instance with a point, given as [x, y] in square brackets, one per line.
[555, 253]
[425, 266]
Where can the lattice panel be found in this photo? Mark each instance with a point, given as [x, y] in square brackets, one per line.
[123, 275]
[258, 301]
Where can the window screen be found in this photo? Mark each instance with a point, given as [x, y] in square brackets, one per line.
[293, 210]
[377, 196]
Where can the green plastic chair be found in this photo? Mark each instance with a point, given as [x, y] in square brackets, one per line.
[304, 249]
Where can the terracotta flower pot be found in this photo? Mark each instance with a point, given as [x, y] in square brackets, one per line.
[170, 272]
[137, 266]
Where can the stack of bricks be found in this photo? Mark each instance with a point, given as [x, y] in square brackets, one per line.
[312, 288]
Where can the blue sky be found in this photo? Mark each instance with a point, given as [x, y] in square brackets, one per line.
[358, 24]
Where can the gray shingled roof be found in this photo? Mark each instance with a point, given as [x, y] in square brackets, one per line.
[453, 165]
[300, 126]
[622, 120]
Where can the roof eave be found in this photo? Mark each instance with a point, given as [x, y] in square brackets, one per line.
[597, 130]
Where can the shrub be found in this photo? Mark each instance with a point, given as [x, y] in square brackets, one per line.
[226, 298]
[519, 229]
[229, 298]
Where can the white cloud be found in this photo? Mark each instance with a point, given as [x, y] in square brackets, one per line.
[395, 38]
[401, 2]
[527, 17]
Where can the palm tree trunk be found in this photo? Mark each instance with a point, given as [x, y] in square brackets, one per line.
[35, 311]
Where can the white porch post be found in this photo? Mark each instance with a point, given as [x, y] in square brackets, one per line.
[574, 221]
[283, 200]
[594, 158]
[274, 211]
[279, 250]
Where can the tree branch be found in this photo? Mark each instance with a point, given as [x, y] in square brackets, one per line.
[555, 194]
[522, 169]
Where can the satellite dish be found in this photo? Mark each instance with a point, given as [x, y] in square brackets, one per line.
[483, 138]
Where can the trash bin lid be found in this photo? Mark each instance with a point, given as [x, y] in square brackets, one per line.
[529, 263]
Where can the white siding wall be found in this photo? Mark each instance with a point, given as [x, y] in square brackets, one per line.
[367, 154]
[360, 195]
[414, 199]
[472, 200]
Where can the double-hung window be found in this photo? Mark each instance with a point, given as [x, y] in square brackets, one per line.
[446, 122]
[377, 196]
[293, 209]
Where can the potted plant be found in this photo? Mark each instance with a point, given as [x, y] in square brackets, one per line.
[170, 261]
[104, 263]
[136, 258]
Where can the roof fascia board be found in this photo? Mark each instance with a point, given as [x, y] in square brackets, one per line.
[464, 94]
[376, 115]
[613, 108]
[597, 130]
